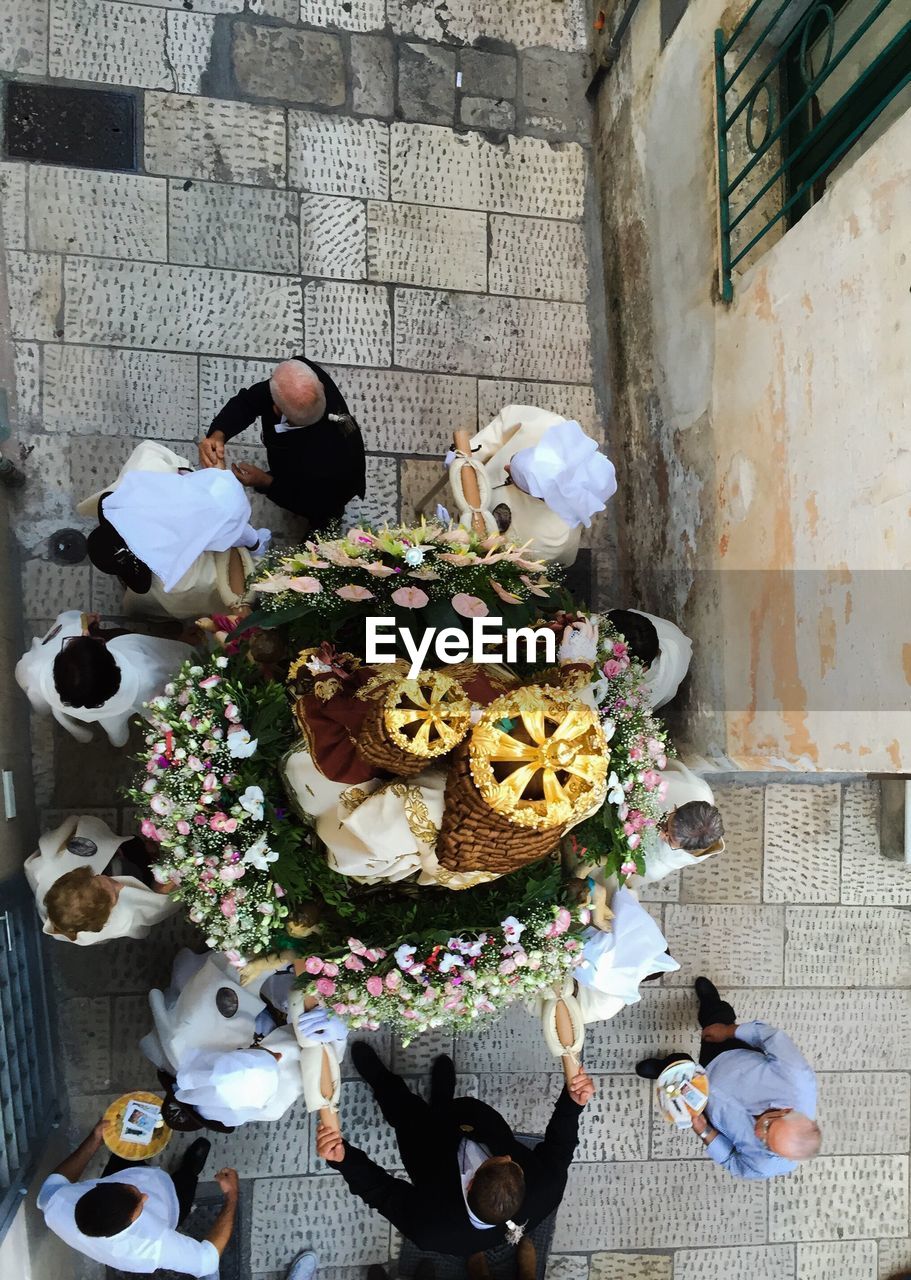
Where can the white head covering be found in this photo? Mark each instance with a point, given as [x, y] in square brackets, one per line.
[675, 650]
[229, 1087]
[566, 470]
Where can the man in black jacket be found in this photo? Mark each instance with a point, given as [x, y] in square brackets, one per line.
[473, 1186]
[313, 444]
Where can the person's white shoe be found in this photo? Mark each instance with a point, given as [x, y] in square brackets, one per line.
[303, 1267]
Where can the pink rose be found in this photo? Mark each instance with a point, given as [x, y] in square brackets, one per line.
[340, 1009]
[507, 966]
[619, 649]
[393, 980]
[149, 830]
[209, 782]
[325, 986]
[634, 841]
[410, 597]
[356, 947]
[355, 964]
[467, 606]
[375, 986]
[628, 869]
[228, 907]
[183, 827]
[200, 819]
[651, 779]
[635, 753]
[210, 682]
[562, 921]
[330, 970]
[612, 668]
[313, 964]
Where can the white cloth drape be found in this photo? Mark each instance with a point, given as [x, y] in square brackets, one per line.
[675, 650]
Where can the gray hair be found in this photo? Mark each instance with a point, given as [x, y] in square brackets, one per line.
[801, 1137]
[696, 826]
[298, 392]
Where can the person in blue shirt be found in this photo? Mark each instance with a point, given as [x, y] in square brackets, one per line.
[760, 1120]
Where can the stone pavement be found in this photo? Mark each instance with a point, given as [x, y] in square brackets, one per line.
[403, 191]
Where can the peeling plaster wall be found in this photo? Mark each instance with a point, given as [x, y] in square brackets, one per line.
[765, 453]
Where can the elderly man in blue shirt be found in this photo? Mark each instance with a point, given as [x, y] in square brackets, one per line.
[760, 1118]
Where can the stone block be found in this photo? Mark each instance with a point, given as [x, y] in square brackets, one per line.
[336, 156]
[666, 890]
[112, 43]
[560, 25]
[139, 304]
[211, 138]
[12, 204]
[333, 237]
[119, 967]
[573, 402]
[631, 1266]
[846, 1259]
[95, 391]
[287, 1211]
[372, 75]
[857, 1119]
[27, 357]
[552, 93]
[432, 165]
[381, 501]
[287, 10]
[220, 379]
[84, 1026]
[23, 37]
[848, 946]
[131, 1019]
[894, 1258]
[663, 1022]
[771, 1262]
[210, 225]
[463, 333]
[105, 595]
[259, 1149]
[303, 68]
[418, 478]
[737, 875]
[487, 113]
[416, 1059]
[802, 842]
[347, 323]
[737, 946]
[538, 258]
[866, 876]
[419, 245]
[427, 76]
[49, 589]
[347, 15]
[209, 6]
[407, 412]
[487, 75]
[567, 1266]
[35, 298]
[720, 1209]
[109, 215]
[838, 1197]
[512, 1041]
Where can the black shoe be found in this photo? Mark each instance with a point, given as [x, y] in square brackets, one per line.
[368, 1064]
[649, 1068]
[442, 1081]
[706, 991]
[195, 1156]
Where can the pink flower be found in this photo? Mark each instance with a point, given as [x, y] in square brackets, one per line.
[651, 779]
[467, 606]
[330, 970]
[461, 559]
[228, 907]
[507, 966]
[619, 649]
[508, 597]
[231, 711]
[628, 869]
[662, 788]
[375, 986]
[356, 947]
[183, 827]
[353, 592]
[200, 819]
[393, 980]
[325, 986]
[533, 587]
[635, 753]
[654, 747]
[411, 597]
[354, 963]
[561, 922]
[340, 1009]
[210, 782]
[313, 964]
[210, 682]
[149, 830]
[305, 586]
[613, 668]
[279, 891]
[221, 822]
[379, 570]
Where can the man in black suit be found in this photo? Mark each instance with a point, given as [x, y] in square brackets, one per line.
[473, 1186]
[313, 444]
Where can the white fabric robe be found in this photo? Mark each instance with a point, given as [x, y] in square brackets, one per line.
[137, 908]
[146, 664]
[663, 678]
[683, 786]
[616, 961]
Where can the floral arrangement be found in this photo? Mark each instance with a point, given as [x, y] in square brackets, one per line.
[211, 799]
[450, 571]
[617, 836]
[451, 984]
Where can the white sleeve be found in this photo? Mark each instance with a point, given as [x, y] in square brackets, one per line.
[49, 1187]
[188, 1256]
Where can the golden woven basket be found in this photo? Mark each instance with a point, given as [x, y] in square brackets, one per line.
[411, 722]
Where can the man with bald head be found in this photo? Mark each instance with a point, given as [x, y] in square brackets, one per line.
[760, 1118]
[313, 444]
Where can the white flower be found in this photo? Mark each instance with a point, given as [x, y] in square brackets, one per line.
[450, 961]
[414, 557]
[513, 928]
[316, 666]
[259, 855]
[608, 728]
[404, 956]
[221, 662]
[240, 744]
[252, 801]
[615, 792]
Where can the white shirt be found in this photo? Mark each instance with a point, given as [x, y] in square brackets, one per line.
[471, 1156]
[150, 1242]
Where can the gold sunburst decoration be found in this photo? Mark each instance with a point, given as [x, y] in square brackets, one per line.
[427, 716]
[539, 757]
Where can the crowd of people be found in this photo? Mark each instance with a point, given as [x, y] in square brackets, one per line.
[230, 1052]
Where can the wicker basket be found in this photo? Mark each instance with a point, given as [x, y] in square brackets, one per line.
[409, 723]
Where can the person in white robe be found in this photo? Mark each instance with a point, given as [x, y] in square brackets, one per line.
[692, 829]
[617, 959]
[661, 647]
[180, 540]
[129, 673]
[544, 480]
[103, 884]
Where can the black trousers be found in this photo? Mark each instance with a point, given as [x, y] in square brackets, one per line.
[711, 1011]
[185, 1182]
[416, 1124]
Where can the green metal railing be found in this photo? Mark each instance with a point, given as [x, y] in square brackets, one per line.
[778, 132]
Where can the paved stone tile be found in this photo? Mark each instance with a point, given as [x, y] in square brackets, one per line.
[848, 947]
[427, 87]
[12, 204]
[407, 412]
[734, 945]
[381, 502]
[333, 237]
[372, 75]
[627, 1206]
[460, 333]
[512, 1042]
[304, 68]
[561, 25]
[866, 876]
[631, 1266]
[129, 44]
[552, 93]
[336, 156]
[23, 37]
[48, 588]
[210, 138]
[737, 875]
[94, 461]
[220, 379]
[894, 1258]
[487, 113]
[256, 1149]
[663, 1022]
[487, 75]
[839, 1197]
[289, 1211]
[35, 299]
[210, 225]
[112, 215]
[347, 323]
[144, 305]
[289, 10]
[864, 1114]
[771, 1262]
[437, 248]
[567, 1266]
[85, 1039]
[349, 15]
[433, 165]
[802, 839]
[205, 6]
[846, 1260]
[538, 258]
[119, 966]
[131, 1018]
[418, 477]
[27, 357]
[666, 890]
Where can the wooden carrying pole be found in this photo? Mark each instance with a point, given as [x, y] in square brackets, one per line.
[470, 488]
[566, 1036]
